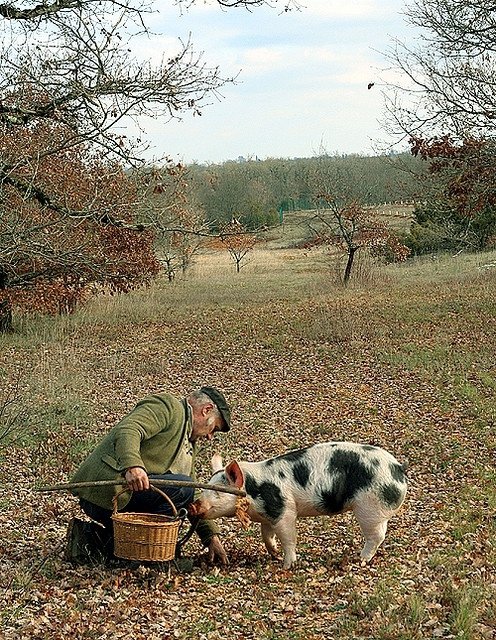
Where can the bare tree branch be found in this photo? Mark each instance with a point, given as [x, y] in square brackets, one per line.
[449, 77]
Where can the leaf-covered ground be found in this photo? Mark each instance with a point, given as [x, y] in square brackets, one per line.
[298, 369]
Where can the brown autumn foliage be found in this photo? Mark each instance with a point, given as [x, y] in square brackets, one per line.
[460, 196]
[64, 221]
[238, 241]
[466, 168]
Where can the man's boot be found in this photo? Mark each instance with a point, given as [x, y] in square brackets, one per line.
[87, 543]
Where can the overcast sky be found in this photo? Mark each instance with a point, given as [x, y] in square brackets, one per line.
[302, 79]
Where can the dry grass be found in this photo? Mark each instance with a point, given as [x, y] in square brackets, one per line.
[403, 357]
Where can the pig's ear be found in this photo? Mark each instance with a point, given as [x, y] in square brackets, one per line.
[216, 463]
[235, 475]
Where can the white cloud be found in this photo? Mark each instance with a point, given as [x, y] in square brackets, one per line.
[303, 79]
[340, 8]
[301, 68]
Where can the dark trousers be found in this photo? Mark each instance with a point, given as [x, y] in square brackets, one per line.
[148, 501]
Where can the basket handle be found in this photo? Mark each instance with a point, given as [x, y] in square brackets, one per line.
[164, 495]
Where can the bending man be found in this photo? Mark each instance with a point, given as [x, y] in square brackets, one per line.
[158, 439]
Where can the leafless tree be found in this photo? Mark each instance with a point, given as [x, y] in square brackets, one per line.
[288, 5]
[170, 208]
[348, 225]
[75, 64]
[238, 241]
[448, 77]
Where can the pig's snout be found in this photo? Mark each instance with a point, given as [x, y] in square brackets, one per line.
[197, 510]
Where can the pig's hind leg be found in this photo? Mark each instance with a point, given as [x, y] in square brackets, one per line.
[269, 538]
[373, 520]
[285, 530]
[374, 536]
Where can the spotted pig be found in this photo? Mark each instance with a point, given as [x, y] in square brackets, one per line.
[324, 479]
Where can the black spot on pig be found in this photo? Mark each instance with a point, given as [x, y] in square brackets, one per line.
[331, 502]
[282, 475]
[270, 496]
[251, 487]
[391, 494]
[349, 465]
[398, 473]
[301, 473]
[349, 476]
[273, 500]
[368, 447]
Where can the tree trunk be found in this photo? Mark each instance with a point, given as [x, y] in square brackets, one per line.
[6, 325]
[349, 264]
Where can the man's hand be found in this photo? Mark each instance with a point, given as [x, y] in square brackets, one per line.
[137, 479]
[216, 550]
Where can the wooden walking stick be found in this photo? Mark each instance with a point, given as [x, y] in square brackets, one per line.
[173, 483]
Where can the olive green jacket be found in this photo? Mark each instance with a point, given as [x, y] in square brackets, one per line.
[149, 437]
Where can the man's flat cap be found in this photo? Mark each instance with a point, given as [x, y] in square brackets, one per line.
[218, 398]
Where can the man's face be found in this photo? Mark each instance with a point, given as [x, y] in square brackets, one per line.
[205, 423]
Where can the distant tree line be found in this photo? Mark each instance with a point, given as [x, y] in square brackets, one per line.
[257, 193]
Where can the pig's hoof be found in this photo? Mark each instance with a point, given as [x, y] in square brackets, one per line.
[288, 562]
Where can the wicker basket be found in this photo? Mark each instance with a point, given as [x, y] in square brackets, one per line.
[145, 536]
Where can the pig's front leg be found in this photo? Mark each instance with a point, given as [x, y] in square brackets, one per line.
[285, 530]
[269, 538]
